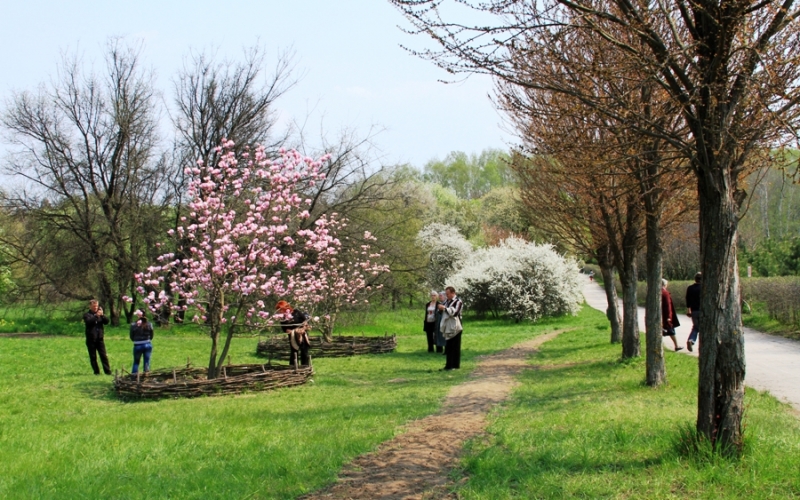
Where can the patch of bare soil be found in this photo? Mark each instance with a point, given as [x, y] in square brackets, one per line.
[416, 464]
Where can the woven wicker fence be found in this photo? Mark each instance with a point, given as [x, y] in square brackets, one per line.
[191, 382]
[277, 347]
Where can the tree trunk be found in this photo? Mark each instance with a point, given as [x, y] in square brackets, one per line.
[212, 360]
[612, 312]
[630, 309]
[327, 331]
[655, 372]
[720, 397]
[215, 315]
[225, 347]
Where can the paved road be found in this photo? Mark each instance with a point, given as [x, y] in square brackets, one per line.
[773, 363]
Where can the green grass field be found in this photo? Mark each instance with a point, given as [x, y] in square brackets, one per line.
[585, 427]
[63, 433]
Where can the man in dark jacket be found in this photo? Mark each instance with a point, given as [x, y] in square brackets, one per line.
[693, 308]
[94, 320]
[296, 325]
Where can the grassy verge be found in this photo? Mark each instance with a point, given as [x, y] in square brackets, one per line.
[63, 434]
[758, 318]
[582, 425]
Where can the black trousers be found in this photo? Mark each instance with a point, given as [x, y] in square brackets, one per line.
[453, 355]
[95, 347]
[431, 340]
[303, 354]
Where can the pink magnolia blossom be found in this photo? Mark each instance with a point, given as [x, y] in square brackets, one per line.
[243, 244]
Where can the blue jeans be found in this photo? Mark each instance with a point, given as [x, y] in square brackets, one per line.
[695, 327]
[138, 350]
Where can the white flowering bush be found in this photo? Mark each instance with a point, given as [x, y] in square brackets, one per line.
[449, 251]
[522, 279]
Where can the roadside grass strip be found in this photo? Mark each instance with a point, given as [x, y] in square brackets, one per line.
[583, 425]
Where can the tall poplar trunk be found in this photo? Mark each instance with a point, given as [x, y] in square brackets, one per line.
[655, 371]
[630, 309]
[720, 397]
[612, 311]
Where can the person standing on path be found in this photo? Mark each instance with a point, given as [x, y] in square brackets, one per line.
[142, 335]
[441, 342]
[693, 309]
[669, 318]
[429, 325]
[452, 309]
[95, 342]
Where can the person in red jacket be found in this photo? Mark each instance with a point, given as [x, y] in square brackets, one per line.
[669, 318]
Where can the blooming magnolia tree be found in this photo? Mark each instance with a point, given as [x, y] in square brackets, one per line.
[345, 278]
[523, 279]
[244, 246]
[449, 251]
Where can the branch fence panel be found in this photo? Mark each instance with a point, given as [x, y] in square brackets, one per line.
[277, 347]
[191, 382]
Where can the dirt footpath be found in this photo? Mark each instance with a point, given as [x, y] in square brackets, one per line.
[416, 464]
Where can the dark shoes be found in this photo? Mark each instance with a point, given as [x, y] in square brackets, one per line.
[689, 345]
[679, 349]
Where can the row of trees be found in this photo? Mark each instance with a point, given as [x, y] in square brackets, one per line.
[664, 100]
[98, 185]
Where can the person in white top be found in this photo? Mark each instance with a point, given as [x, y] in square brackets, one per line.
[430, 320]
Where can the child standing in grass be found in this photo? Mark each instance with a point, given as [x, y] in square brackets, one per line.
[142, 336]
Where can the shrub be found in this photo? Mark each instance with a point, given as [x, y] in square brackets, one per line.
[449, 251]
[772, 257]
[523, 279]
[781, 296]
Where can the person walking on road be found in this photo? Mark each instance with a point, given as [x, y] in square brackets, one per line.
[669, 318]
[693, 309]
[95, 343]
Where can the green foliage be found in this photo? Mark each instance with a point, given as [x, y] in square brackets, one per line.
[583, 425]
[450, 209]
[772, 257]
[773, 210]
[470, 176]
[7, 285]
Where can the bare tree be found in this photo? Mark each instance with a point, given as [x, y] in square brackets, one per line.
[216, 100]
[85, 147]
[566, 213]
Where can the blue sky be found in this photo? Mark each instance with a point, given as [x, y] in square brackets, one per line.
[354, 72]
